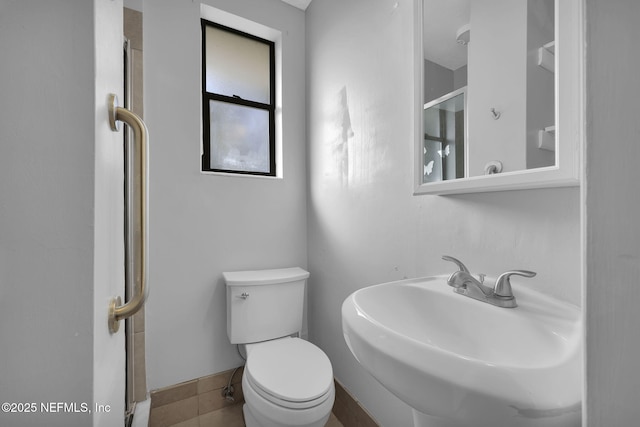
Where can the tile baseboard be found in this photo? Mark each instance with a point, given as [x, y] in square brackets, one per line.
[181, 403]
[349, 411]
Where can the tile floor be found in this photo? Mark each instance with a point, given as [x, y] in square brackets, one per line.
[231, 416]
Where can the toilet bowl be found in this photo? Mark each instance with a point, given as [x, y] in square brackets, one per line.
[287, 382]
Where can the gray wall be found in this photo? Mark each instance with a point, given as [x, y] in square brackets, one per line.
[46, 211]
[438, 81]
[612, 210]
[365, 226]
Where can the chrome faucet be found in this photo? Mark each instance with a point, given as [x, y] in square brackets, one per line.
[500, 295]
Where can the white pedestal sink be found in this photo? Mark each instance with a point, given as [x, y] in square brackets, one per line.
[459, 362]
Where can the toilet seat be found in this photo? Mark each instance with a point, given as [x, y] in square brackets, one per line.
[289, 372]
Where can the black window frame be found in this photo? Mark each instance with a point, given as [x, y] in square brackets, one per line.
[209, 96]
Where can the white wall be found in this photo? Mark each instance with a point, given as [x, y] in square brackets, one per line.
[612, 213]
[497, 79]
[540, 101]
[365, 226]
[203, 224]
[58, 221]
[108, 266]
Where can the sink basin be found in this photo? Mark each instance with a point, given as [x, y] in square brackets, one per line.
[461, 362]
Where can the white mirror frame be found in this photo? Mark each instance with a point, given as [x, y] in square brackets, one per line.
[570, 113]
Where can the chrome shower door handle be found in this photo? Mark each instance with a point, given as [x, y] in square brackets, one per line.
[139, 263]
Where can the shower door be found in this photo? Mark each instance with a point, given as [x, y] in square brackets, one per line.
[134, 326]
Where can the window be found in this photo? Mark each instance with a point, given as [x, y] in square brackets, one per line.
[238, 102]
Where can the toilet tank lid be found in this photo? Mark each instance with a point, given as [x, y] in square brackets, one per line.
[264, 277]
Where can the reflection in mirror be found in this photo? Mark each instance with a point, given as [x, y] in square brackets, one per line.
[444, 135]
[502, 51]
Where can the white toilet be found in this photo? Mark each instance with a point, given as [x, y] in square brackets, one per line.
[287, 381]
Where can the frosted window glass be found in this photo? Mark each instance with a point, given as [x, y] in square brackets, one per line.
[237, 65]
[239, 137]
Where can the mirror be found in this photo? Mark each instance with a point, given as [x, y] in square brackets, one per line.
[444, 137]
[500, 94]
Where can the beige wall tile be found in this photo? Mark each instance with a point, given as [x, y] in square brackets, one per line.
[230, 416]
[173, 413]
[132, 21]
[219, 380]
[349, 411]
[137, 101]
[193, 422]
[174, 393]
[213, 400]
[213, 382]
[139, 372]
[333, 421]
[138, 321]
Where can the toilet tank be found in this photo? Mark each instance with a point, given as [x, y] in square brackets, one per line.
[264, 304]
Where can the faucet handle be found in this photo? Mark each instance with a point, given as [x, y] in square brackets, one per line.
[503, 284]
[459, 263]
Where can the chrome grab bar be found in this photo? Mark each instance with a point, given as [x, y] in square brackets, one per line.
[117, 311]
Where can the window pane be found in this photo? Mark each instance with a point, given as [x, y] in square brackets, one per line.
[239, 137]
[237, 65]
